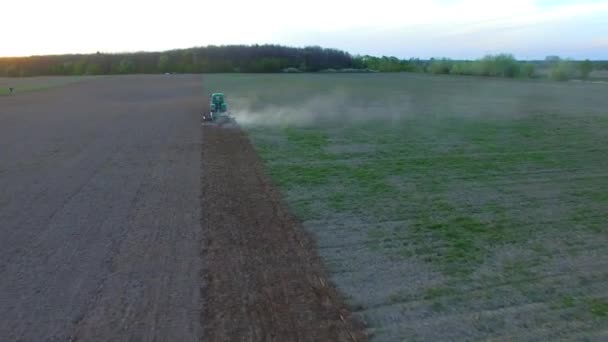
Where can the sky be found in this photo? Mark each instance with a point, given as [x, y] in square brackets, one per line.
[467, 29]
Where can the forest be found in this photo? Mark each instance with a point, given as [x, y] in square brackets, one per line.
[277, 58]
[209, 59]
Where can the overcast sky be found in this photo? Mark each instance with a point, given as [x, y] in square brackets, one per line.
[529, 29]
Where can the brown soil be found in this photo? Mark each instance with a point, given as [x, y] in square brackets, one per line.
[264, 282]
[102, 227]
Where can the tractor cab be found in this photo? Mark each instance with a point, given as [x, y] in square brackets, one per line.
[218, 109]
[217, 103]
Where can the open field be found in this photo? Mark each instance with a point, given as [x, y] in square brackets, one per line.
[122, 220]
[100, 211]
[599, 75]
[445, 208]
[29, 84]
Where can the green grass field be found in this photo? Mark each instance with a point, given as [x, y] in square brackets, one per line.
[444, 207]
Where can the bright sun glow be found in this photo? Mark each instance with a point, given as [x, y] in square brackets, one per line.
[452, 28]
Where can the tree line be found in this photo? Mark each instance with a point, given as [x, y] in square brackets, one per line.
[209, 59]
[500, 65]
[277, 58]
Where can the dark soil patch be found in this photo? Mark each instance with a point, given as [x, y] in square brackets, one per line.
[264, 280]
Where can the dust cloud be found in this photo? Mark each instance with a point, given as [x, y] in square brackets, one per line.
[398, 98]
[336, 107]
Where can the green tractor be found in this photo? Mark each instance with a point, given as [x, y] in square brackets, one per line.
[218, 109]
